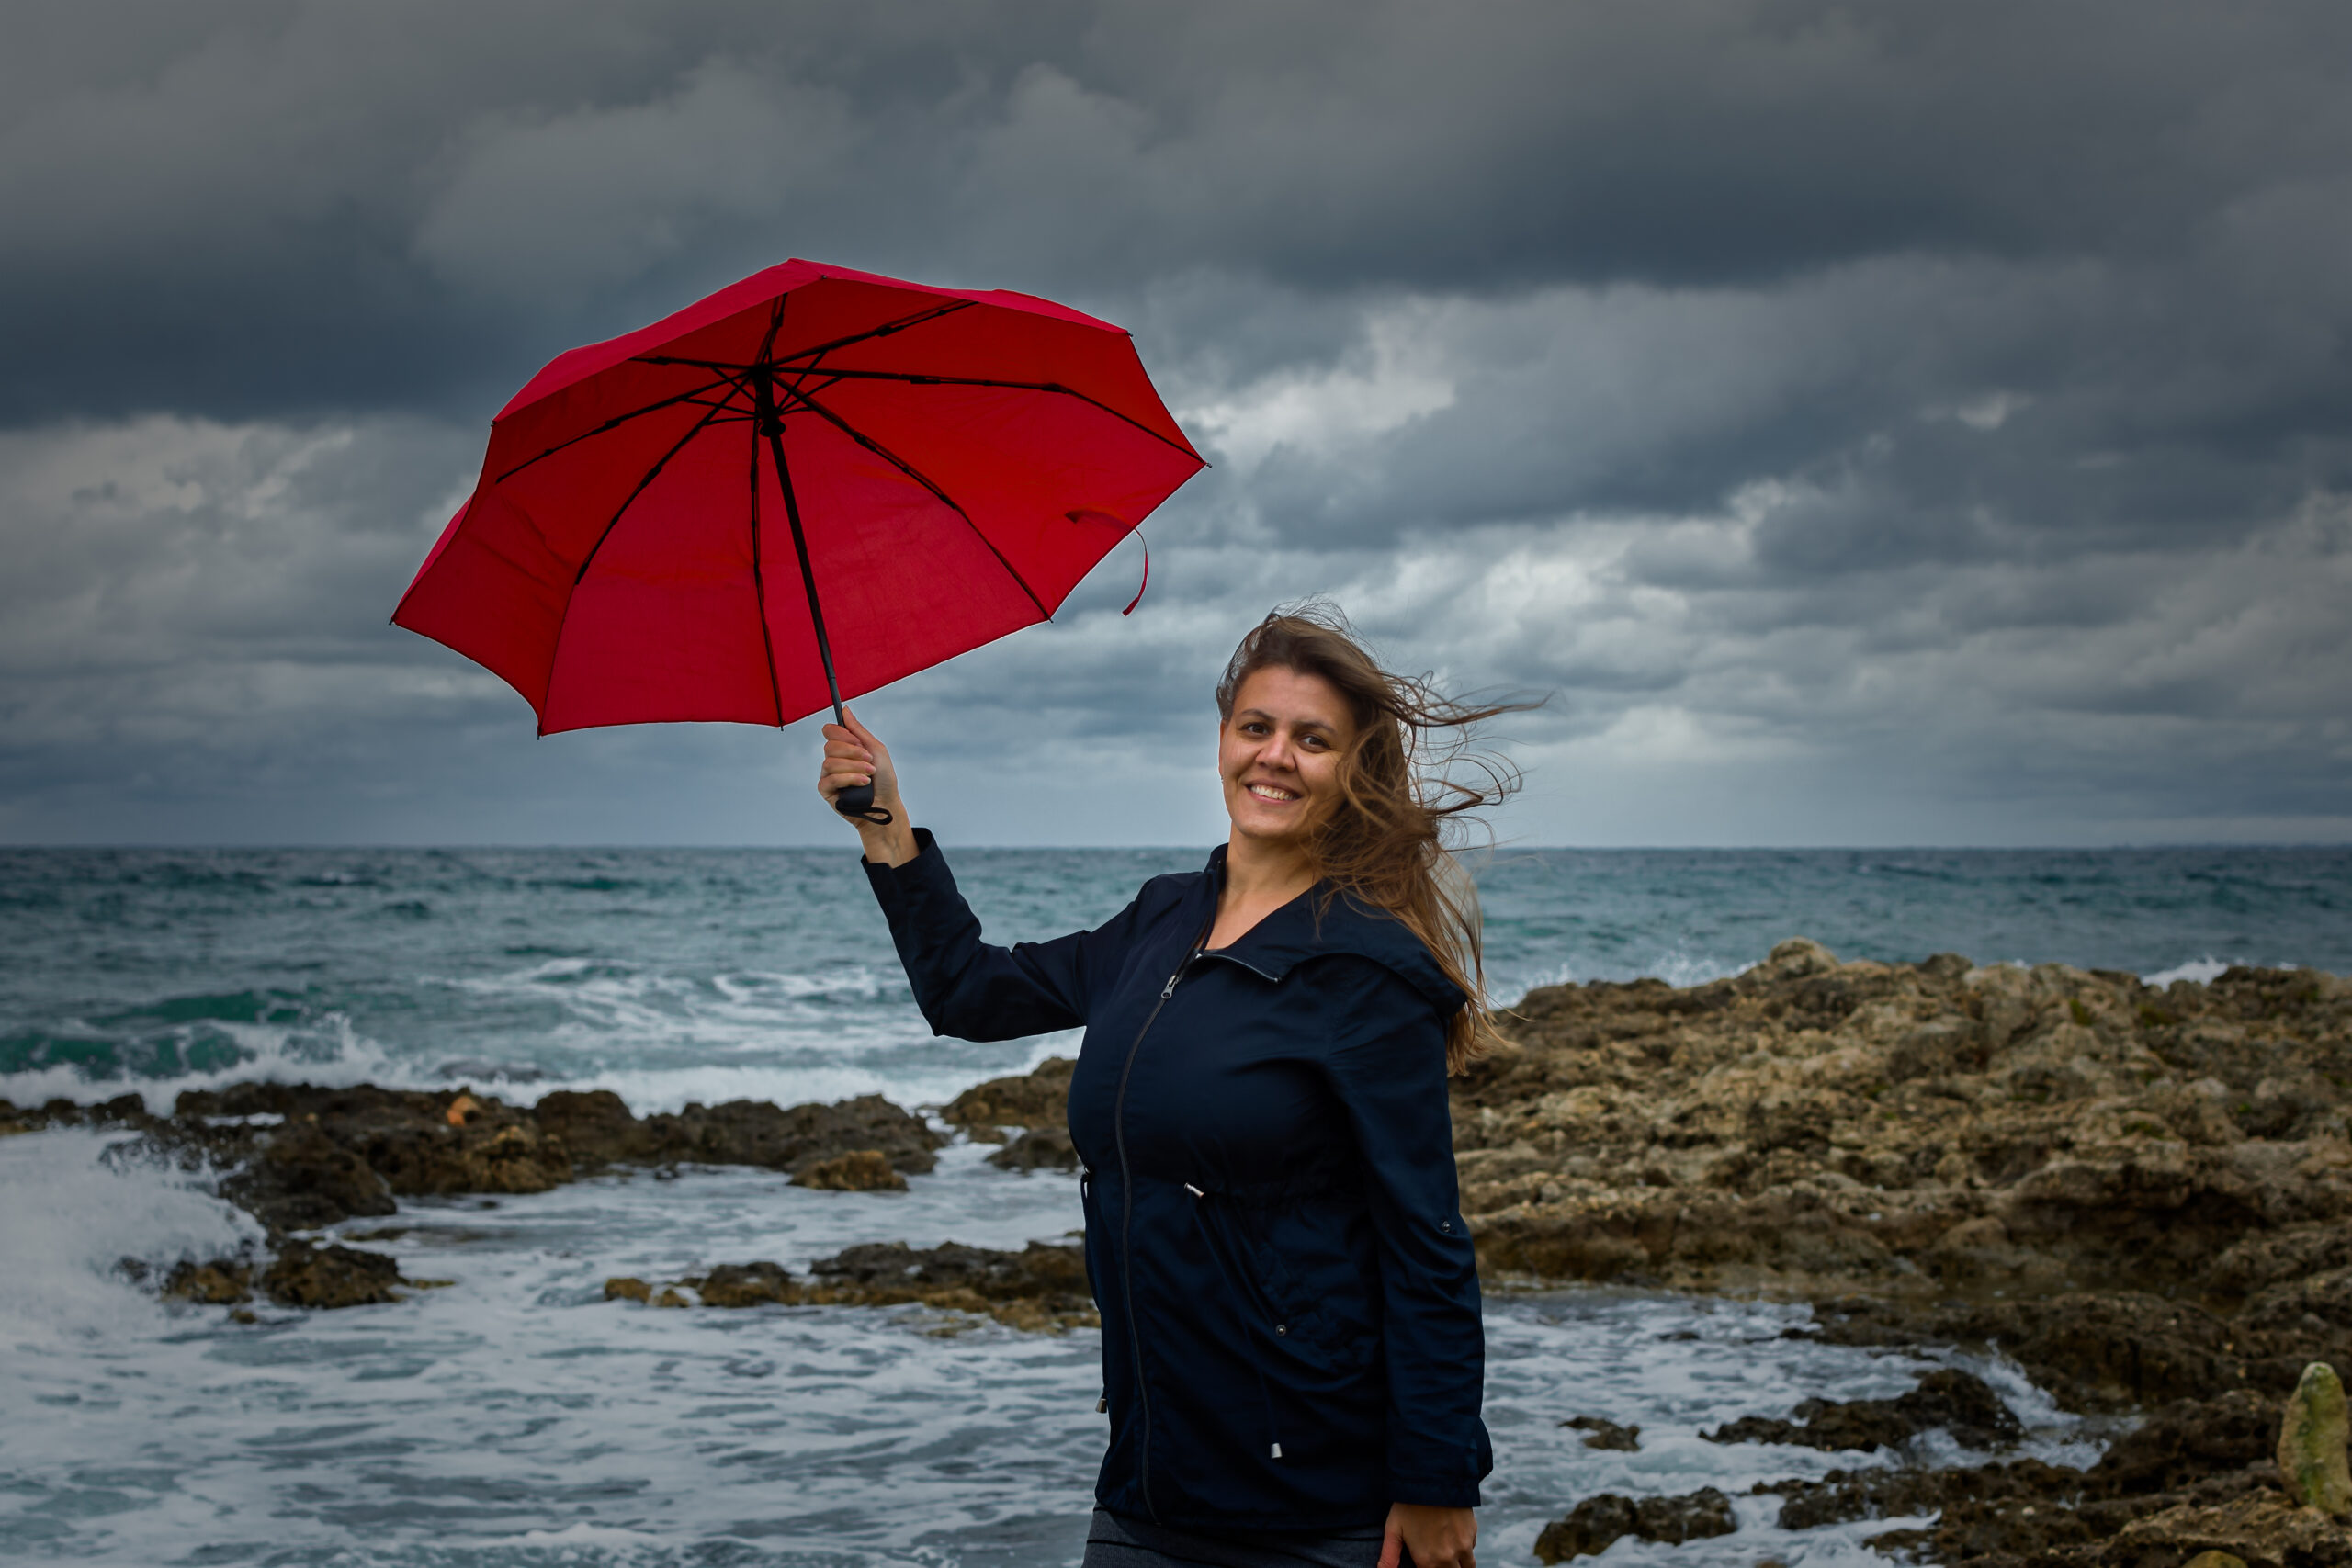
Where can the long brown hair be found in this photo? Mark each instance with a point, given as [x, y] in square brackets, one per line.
[1405, 785]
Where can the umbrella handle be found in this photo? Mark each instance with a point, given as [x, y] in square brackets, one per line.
[857, 801]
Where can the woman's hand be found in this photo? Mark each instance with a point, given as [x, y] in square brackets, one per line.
[1437, 1537]
[854, 756]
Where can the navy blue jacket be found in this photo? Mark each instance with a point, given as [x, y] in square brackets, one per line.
[1290, 1302]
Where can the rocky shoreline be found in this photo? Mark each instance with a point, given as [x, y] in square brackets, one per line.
[2142, 1197]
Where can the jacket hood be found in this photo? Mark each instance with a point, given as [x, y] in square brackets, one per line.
[1317, 924]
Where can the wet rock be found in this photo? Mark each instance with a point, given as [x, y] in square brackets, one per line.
[1039, 1148]
[1039, 1098]
[1601, 1434]
[754, 1132]
[2216, 1559]
[861, 1171]
[1959, 1402]
[329, 1276]
[1597, 1523]
[596, 1128]
[747, 1284]
[2312, 1438]
[1041, 1289]
[298, 1178]
[627, 1288]
[223, 1281]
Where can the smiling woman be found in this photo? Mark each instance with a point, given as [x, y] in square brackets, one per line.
[1293, 1358]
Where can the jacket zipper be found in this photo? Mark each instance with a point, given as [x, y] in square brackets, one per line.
[1127, 1214]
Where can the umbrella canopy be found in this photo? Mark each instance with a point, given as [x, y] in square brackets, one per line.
[802, 487]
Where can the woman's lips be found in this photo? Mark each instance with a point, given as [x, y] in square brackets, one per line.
[1273, 793]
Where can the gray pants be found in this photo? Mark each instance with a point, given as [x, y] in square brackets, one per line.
[1113, 1541]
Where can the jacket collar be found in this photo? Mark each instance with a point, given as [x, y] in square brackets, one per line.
[1315, 924]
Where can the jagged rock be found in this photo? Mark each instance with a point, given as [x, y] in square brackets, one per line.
[1047, 1148]
[2262, 1529]
[2312, 1439]
[1959, 1402]
[1039, 1098]
[300, 1179]
[1814, 1122]
[223, 1281]
[1601, 1434]
[861, 1171]
[1597, 1523]
[1042, 1289]
[595, 1128]
[754, 1132]
[627, 1288]
[330, 1276]
[747, 1284]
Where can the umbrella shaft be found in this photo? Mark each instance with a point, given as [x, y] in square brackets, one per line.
[773, 428]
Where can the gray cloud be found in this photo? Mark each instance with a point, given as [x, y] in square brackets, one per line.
[1899, 420]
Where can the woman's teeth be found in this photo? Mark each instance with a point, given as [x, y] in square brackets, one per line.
[1268, 792]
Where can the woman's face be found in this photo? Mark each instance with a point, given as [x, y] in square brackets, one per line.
[1279, 754]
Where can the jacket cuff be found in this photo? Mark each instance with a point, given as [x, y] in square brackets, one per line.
[896, 886]
[1430, 1492]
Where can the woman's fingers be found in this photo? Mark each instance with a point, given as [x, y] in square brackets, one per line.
[1391, 1543]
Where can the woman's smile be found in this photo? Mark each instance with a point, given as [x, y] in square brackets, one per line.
[1280, 752]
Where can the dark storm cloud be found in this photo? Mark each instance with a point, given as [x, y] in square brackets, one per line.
[1870, 407]
[289, 205]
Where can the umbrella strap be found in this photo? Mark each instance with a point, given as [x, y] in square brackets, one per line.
[1147, 576]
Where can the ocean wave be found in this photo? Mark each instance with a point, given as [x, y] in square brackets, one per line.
[325, 1049]
[71, 1219]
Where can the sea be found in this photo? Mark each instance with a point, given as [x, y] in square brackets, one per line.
[512, 1416]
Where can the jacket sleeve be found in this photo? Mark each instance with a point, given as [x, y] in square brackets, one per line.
[968, 988]
[1388, 1067]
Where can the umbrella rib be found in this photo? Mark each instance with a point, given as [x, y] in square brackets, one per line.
[914, 378]
[921, 478]
[650, 474]
[818, 351]
[617, 420]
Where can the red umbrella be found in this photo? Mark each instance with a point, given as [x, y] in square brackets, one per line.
[807, 484]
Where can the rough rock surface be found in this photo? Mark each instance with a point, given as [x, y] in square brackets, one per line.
[1937, 1123]
[332, 1276]
[1041, 1289]
[1601, 1434]
[1597, 1523]
[1958, 1402]
[1031, 1101]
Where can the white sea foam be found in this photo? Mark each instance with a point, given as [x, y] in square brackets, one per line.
[71, 1217]
[2203, 971]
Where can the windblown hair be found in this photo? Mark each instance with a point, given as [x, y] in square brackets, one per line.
[1406, 787]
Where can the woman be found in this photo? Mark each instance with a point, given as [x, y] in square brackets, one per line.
[1290, 1342]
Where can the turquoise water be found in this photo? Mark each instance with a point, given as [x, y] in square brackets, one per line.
[672, 974]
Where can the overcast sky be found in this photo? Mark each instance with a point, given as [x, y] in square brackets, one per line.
[1873, 423]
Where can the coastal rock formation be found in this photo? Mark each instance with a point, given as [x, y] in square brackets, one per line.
[1958, 1402]
[1041, 1289]
[1598, 1523]
[1935, 1123]
[300, 1156]
[1039, 1098]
